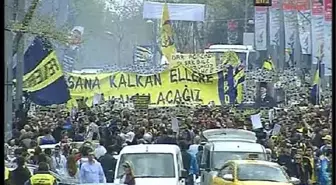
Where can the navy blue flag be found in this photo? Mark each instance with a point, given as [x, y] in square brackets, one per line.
[43, 77]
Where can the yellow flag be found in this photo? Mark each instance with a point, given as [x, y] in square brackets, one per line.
[167, 41]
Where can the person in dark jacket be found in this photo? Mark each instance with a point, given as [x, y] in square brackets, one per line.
[166, 139]
[265, 99]
[109, 163]
[57, 133]
[285, 159]
[301, 170]
[21, 174]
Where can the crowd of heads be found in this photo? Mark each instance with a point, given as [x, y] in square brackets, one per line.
[296, 128]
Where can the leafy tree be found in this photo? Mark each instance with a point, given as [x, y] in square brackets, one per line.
[34, 24]
[112, 29]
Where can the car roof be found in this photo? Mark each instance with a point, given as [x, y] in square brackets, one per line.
[151, 148]
[237, 146]
[228, 133]
[52, 146]
[259, 162]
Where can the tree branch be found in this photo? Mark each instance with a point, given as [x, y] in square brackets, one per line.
[25, 22]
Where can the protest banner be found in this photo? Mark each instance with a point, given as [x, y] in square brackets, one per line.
[141, 101]
[170, 87]
[206, 63]
[199, 62]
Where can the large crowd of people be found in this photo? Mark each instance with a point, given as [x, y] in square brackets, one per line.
[87, 138]
[302, 145]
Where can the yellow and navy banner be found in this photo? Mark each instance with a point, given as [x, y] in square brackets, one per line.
[174, 85]
[167, 41]
[143, 54]
[239, 79]
[315, 91]
[268, 65]
[43, 78]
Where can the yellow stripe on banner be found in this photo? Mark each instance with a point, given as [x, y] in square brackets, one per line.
[240, 91]
[238, 75]
[47, 72]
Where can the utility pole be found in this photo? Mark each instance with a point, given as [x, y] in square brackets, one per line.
[8, 72]
[246, 17]
[282, 43]
[156, 46]
[20, 56]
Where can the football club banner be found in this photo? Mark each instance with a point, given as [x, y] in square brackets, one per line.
[260, 28]
[327, 36]
[143, 54]
[317, 27]
[304, 17]
[274, 23]
[290, 20]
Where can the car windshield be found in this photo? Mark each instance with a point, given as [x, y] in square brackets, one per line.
[163, 168]
[219, 158]
[259, 172]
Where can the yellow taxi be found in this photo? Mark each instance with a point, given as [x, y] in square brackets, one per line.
[252, 172]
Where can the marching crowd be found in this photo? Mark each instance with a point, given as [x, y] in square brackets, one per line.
[302, 145]
[298, 136]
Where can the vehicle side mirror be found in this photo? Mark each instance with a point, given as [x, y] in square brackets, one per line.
[228, 177]
[184, 174]
[294, 180]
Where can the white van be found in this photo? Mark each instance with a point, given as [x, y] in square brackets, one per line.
[153, 164]
[246, 53]
[228, 144]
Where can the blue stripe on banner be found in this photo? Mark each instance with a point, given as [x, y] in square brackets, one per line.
[55, 93]
[232, 91]
[35, 53]
[221, 80]
[241, 80]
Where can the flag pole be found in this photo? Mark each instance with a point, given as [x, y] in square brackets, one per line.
[318, 83]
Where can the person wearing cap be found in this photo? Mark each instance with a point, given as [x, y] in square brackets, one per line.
[327, 142]
[91, 171]
[42, 176]
[128, 177]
